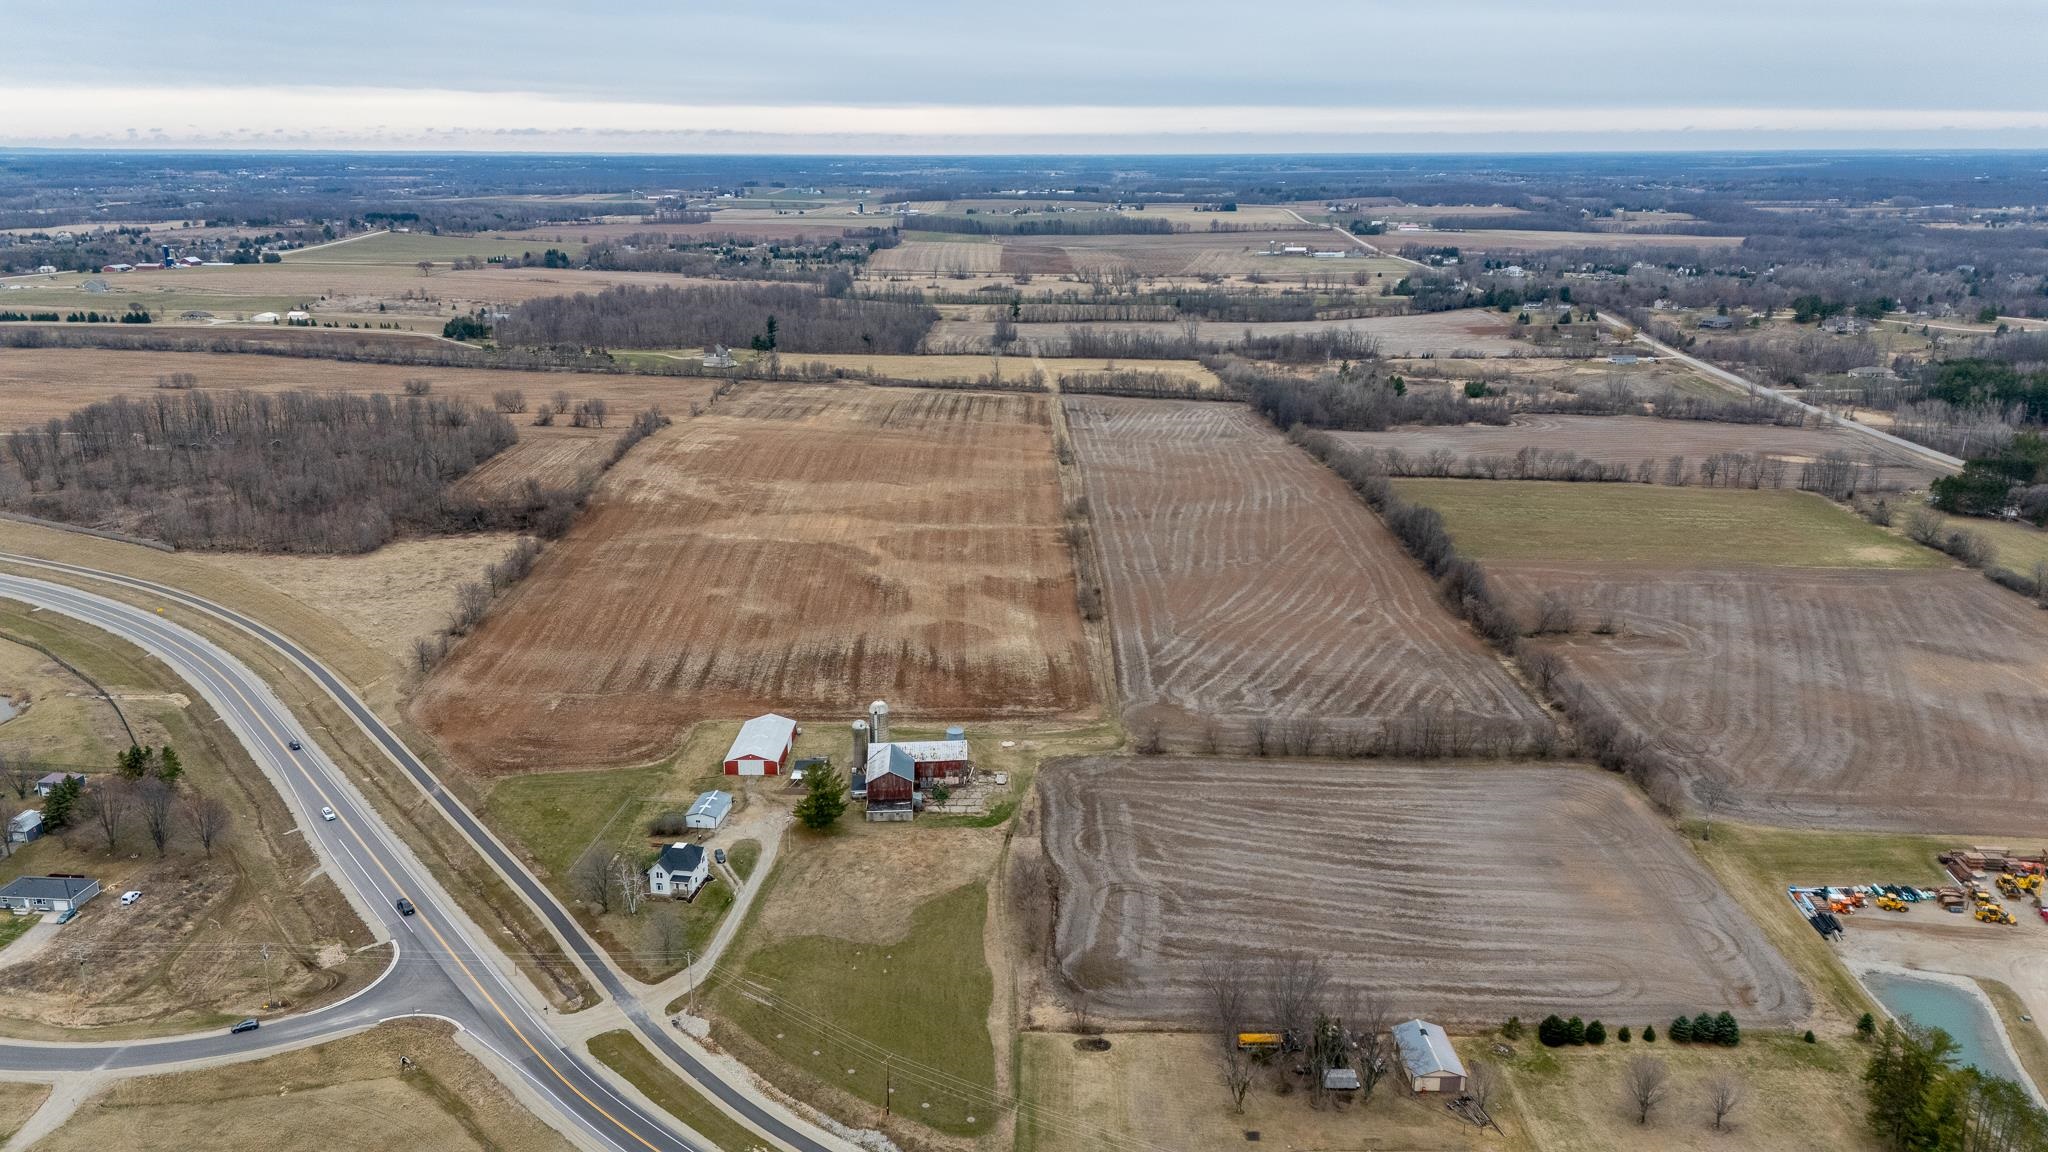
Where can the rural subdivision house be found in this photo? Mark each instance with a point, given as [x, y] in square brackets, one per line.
[709, 811]
[49, 783]
[30, 894]
[762, 748]
[679, 871]
[1428, 1059]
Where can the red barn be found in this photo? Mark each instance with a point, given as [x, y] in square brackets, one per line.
[762, 748]
[891, 778]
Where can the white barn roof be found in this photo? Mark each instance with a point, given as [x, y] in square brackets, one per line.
[923, 751]
[1425, 1050]
[763, 737]
[712, 804]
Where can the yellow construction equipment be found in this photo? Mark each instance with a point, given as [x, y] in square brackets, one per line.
[1891, 903]
[2009, 885]
[1993, 914]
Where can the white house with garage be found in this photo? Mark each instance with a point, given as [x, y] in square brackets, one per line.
[26, 894]
[679, 871]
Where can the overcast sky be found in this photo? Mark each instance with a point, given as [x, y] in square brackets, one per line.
[1055, 75]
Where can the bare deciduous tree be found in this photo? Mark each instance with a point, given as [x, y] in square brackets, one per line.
[561, 402]
[109, 801]
[209, 818]
[1482, 1083]
[8, 810]
[1226, 985]
[594, 880]
[632, 884]
[1647, 1080]
[21, 776]
[1724, 1095]
[154, 799]
[1294, 984]
[509, 400]
[1371, 1022]
[1554, 613]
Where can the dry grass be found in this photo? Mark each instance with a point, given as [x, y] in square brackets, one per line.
[1460, 892]
[939, 257]
[1151, 1092]
[553, 457]
[384, 599]
[804, 549]
[343, 1095]
[18, 1102]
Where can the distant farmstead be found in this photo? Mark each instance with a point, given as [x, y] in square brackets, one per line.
[762, 748]
[895, 775]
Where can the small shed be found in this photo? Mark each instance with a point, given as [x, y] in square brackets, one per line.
[27, 894]
[762, 747]
[710, 810]
[1427, 1057]
[1342, 1080]
[25, 827]
[680, 870]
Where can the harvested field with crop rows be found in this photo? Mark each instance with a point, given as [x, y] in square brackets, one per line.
[1462, 892]
[801, 548]
[1632, 439]
[553, 457]
[1912, 700]
[1247, 583]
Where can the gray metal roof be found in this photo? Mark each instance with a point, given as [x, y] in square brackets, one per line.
[46, 888]
[1425, 1050]
[890, 760]
[714, 804]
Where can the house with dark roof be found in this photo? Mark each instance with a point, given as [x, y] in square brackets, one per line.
[26, 894]
[49, 783]
[680, 870]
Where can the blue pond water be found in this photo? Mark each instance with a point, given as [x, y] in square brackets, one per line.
[1961, 1014]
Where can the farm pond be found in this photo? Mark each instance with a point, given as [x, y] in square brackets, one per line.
[1963, 1014]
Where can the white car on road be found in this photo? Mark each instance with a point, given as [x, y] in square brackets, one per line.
[326, 813]
[130, 897]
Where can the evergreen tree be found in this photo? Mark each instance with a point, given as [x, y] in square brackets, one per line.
[1681, 1031]
[134, 762]
[1649, 1033]
[1575, 1031]
[1901, 1081]
[1866, 1026]
[168, 767]
[1727, 1033]
[1512, 1030]
[1703, 1029]
[1623, 1034]
[60, 807]
[1809, 1037]
[824, 798]
[1552, 1032]
[1596, 1033]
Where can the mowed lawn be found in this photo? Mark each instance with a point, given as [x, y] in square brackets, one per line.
[622, 1052]
[832, 1008]
[1536, 521]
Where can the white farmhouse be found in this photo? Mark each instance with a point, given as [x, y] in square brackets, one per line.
[680, 870]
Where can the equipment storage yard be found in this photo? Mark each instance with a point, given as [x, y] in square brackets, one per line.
[1246, 583]
[1471, 893]
[790, 549]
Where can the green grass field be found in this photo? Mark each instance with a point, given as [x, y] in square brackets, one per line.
[556, 815]
[12, 928]
[743, 857]
[1531, 520]
[831, 1009]
[623, 1053]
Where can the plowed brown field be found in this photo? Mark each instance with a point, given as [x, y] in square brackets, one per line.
[555, 456]
[1245, 580]
[1631, 439]
[1460, 892]
[805, 549]
[1915, 700]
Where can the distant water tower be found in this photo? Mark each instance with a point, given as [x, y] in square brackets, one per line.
[878, 721]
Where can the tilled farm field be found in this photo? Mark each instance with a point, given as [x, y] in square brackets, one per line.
[1244, 581]
[1460, 892]
[553, 457]
[1911, 700]
[1632, 439]
[800, 548]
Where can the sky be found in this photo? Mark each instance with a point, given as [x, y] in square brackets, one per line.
[1190, 76]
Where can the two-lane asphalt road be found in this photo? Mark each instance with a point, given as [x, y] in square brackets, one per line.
[439, 970]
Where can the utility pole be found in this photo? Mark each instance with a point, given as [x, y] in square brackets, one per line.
[269, 987]
[689, 962]
[889, 1087]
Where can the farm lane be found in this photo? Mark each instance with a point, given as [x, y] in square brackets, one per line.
[559, 1073]
[441, 971]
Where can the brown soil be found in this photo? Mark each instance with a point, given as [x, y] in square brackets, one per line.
[554, 457]
[805, 549]
[1631, 439]
[1243, 580]
[1461, 892]
[1911, 700]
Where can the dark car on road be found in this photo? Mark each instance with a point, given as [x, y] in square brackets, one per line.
[718, 854]
[294, 745]
[246, 1026]
[405, 907]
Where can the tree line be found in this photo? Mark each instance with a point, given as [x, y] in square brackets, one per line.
[770, 316]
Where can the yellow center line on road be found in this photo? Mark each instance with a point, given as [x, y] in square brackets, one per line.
[221, 674]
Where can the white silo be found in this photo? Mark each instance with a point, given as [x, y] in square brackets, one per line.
[878, 721]
[860, 746]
